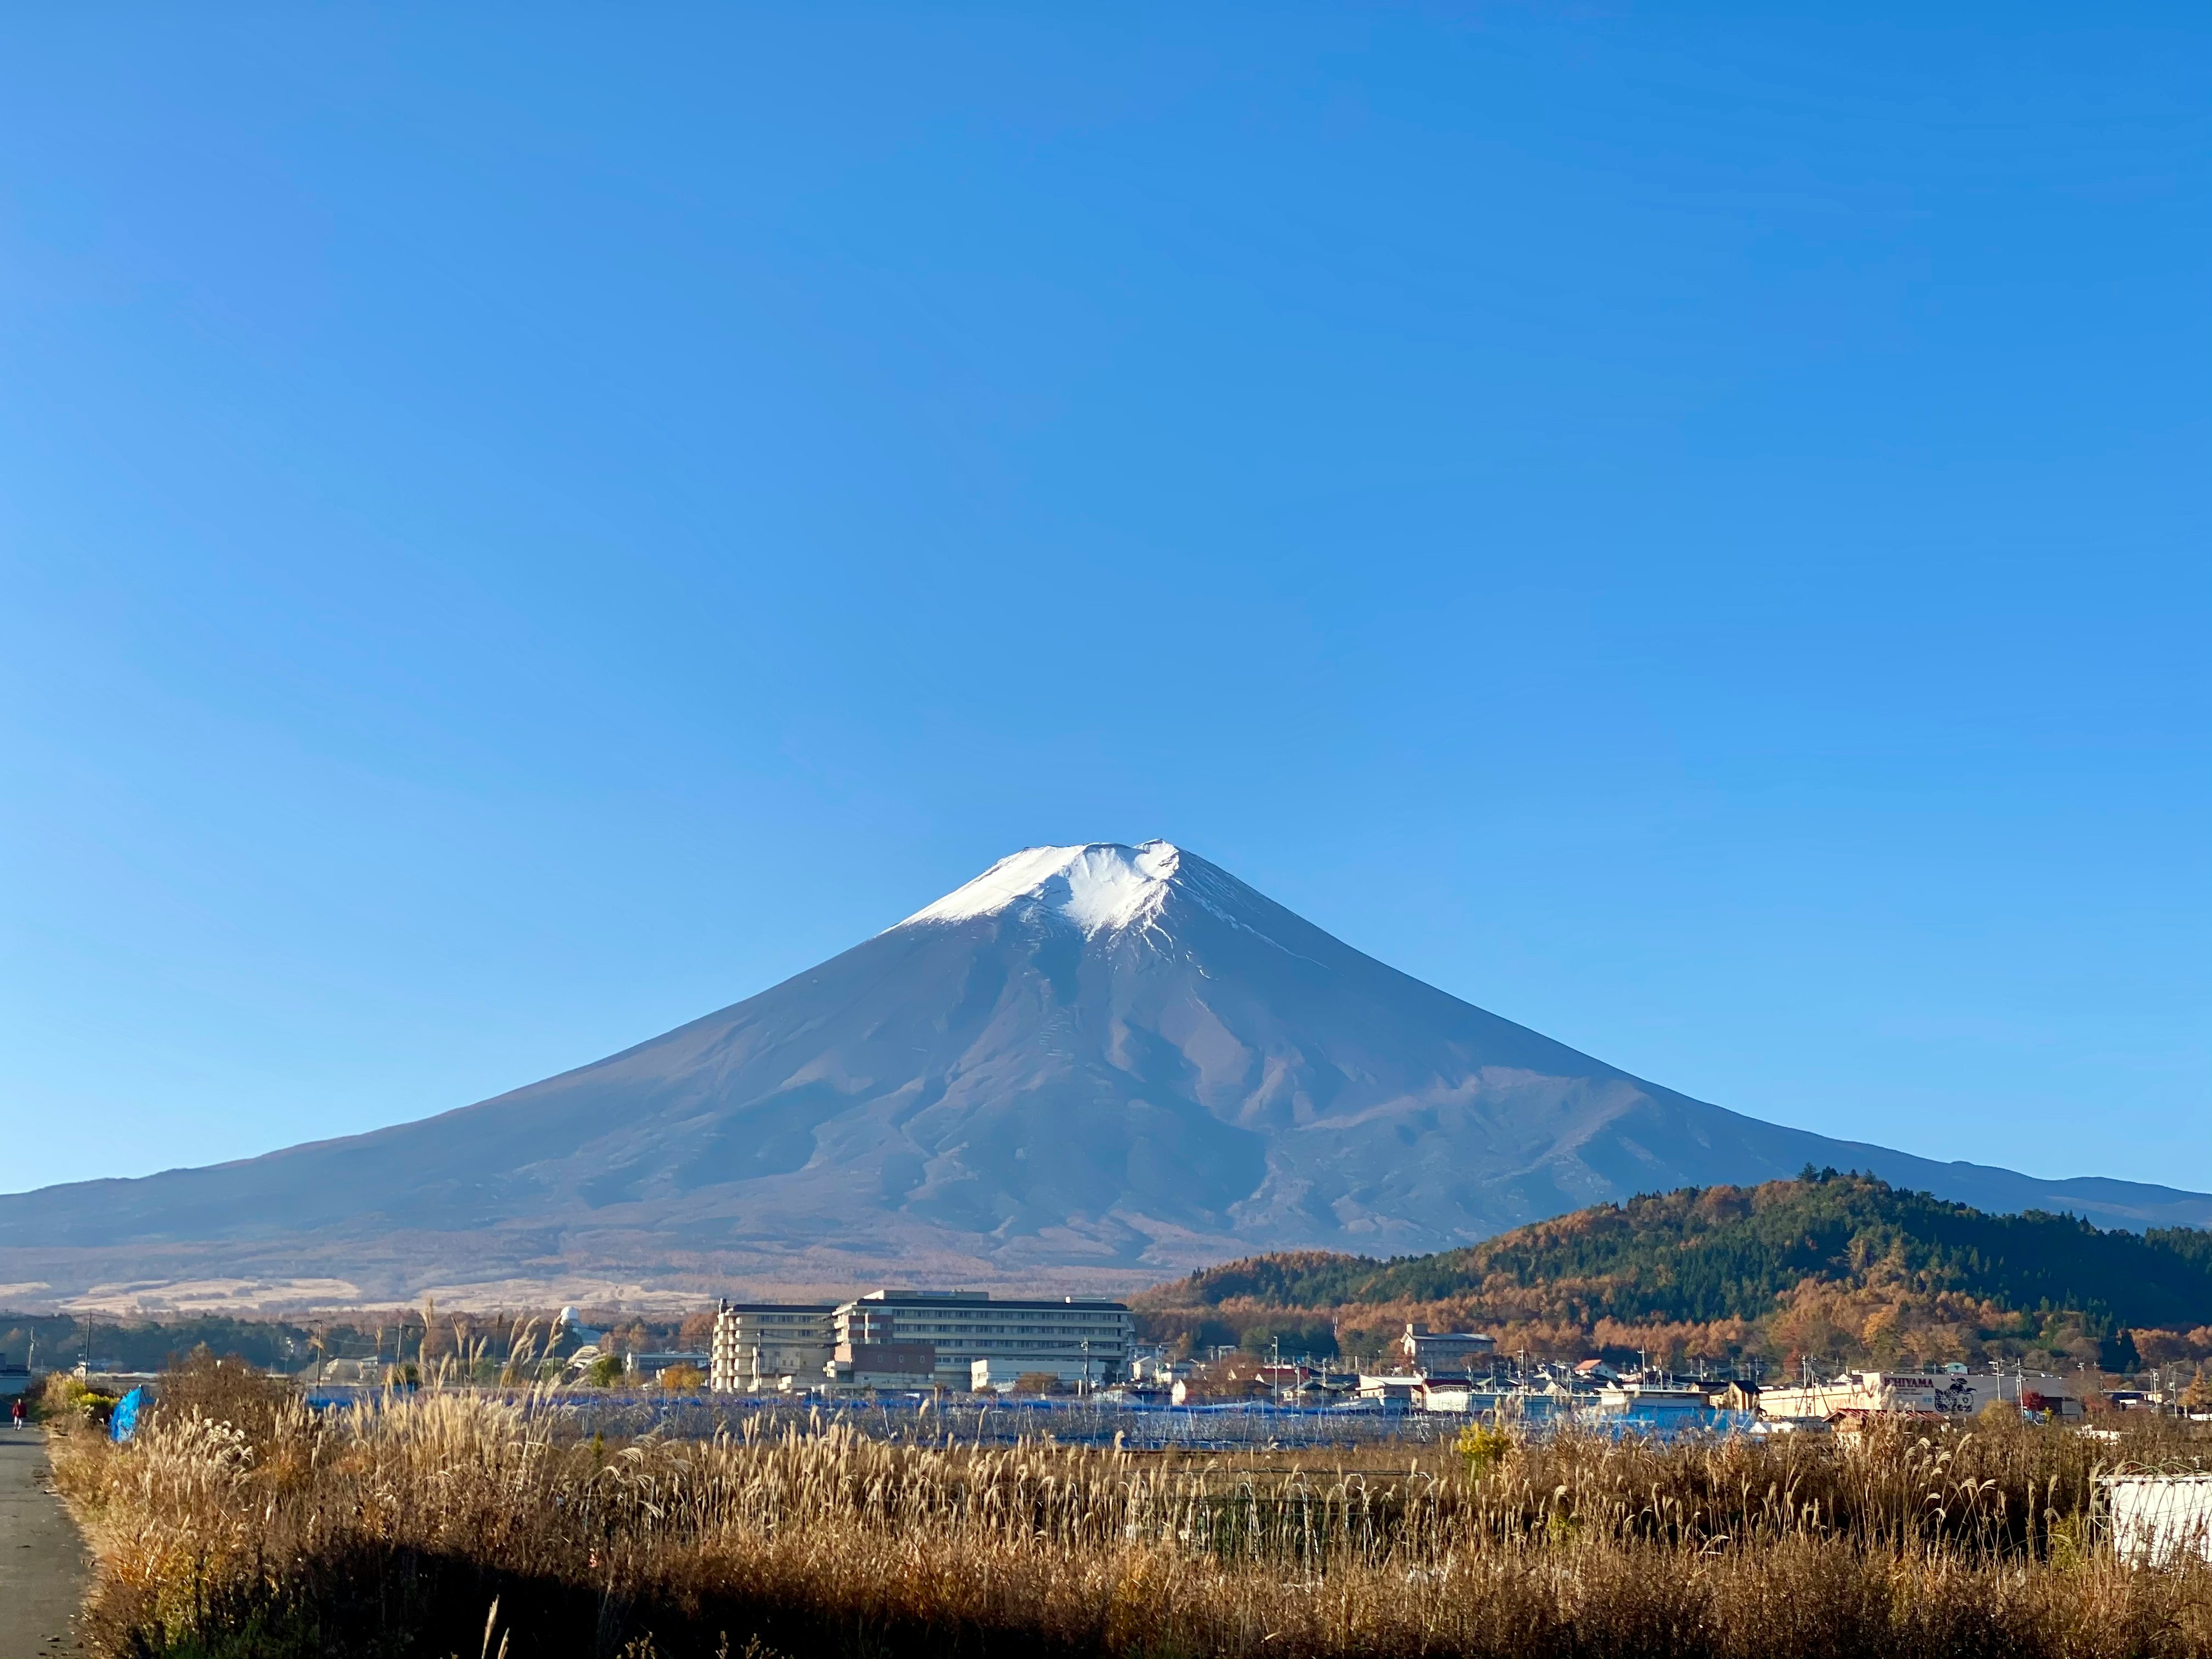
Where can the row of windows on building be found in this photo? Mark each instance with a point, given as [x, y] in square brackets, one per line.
[957, 1339]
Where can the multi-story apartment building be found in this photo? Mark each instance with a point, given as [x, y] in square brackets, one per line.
[1075, 1339]
[1442, 1351]
[770, 1344]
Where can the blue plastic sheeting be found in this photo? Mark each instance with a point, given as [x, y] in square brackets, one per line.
[123, 1421]
[917, 1419]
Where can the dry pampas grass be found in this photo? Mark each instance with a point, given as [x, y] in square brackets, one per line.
[431, 1524]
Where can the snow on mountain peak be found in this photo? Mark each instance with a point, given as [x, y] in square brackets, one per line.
[1099, 887]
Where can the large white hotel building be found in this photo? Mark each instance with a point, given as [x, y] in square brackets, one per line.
[793, 1345]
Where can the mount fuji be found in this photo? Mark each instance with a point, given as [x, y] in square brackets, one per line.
[1091, 1067]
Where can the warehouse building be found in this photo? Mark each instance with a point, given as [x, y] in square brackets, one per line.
[1953, 1392]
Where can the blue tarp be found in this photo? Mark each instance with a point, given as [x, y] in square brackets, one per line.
[123, 1421]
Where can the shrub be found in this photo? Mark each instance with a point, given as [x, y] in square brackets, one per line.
[605, 1371]
[67, 1399]
[224, 1389]
[1481, 1446]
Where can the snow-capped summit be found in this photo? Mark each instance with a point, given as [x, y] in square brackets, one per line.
[1101, 886]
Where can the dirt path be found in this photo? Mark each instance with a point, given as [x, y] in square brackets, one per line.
[43, 1563]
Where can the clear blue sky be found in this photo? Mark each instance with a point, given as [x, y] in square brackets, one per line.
[1687, 528]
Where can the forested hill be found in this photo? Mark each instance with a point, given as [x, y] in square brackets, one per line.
[1865, 1262]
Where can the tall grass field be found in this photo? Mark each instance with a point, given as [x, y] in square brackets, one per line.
[449, 1523]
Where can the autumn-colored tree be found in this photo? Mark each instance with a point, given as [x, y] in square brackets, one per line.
[2163, 1347]
[1838, 1268]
